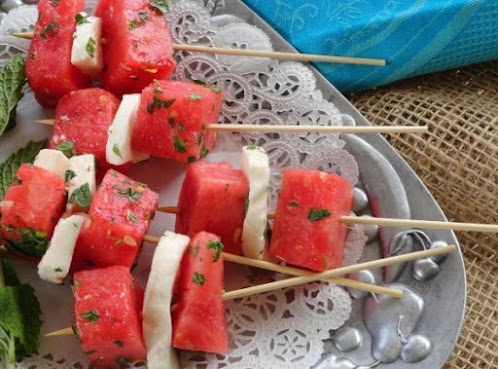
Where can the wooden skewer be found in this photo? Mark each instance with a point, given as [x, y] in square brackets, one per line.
[392, 222]
[267, 287]
[296, 129]
[300, 272]
[261, 54]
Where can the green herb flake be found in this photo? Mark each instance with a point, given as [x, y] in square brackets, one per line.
[81, 196]
[217, 248]
[90, 315]
[9, 167]
[157, 103]
[180, 145]
[56, 2]
[134, 24]
[143, 16]
[12, 80]
[191, 159]
[118, 343]
[68, 175]
[204, 152]
[194, 250]
[90, 47]
[195, 97]
[115, 150]
[58, 270]
[81, 18]
[51, 27]
[121, 360]
[316, 215]
[67, 148]
[132, 217]
[199, 279]
[215, 88]
[129, 193]
[161, 5]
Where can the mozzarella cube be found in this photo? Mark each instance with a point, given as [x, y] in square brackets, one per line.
[157, 326]
[86, 54]
[52, 160]
[81, 182]
[55, 264]
[118, 149]
[255, 165]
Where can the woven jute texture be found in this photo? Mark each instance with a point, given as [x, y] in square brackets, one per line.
[458, 162]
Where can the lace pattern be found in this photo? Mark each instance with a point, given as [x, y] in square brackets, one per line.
[282, 329]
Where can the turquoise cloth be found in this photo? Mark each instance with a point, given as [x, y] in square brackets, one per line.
[415, 37]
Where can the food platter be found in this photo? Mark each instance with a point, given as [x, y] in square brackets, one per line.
[394, 189]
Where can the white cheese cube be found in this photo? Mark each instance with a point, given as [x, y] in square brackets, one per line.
[157, 326]
[86, 54]
[255, 165]
[56, 262]
[52, 160]
[118, 149]
[81, 182]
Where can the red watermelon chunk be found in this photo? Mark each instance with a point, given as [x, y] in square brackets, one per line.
[213, 198]
[199, 322]
[31, 208]
[48, 65]
[138, 49]
[173, 120]
[117, 222]
[82, 119]
[107, 309]
[306, 230]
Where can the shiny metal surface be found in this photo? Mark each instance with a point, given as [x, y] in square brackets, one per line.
[396, 193]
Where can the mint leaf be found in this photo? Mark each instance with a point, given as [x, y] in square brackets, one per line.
[12, 80]
[198, 278]
[90, 47]
[217, 248]
[31, 242]
[81, 18]
[180, 145]
[316, 215]
[20, 324]
[9, 167]
[161, 5]
[9, 274]
[82, 196]
[67, 148]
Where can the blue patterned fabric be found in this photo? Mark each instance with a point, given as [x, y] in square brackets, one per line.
[415, 37]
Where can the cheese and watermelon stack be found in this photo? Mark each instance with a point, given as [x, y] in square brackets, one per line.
[48, 65]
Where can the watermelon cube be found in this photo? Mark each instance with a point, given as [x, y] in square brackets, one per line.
[199, 321]
[306, 230]
[48, 65]
[173, 120]
[212, 199]
[139, 47]
[82, 119]
[117, 222]
[31, 208]
[108, 316]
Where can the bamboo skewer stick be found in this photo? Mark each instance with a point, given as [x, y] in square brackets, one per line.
[262, 54]
[392, 222]
[297, 129]
[345, 282]
[267, 287]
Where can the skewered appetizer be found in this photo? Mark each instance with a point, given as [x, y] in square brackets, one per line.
[48, 65]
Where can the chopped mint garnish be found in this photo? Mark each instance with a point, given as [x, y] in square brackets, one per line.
[12, 80]
[217, 248]
[316, 215]
[67, 148]
[82, 196]
[198, 278]
[161, 5]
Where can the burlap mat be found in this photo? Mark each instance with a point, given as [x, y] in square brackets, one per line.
[458, 162]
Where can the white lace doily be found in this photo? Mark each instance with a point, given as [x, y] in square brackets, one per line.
[283, 329]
